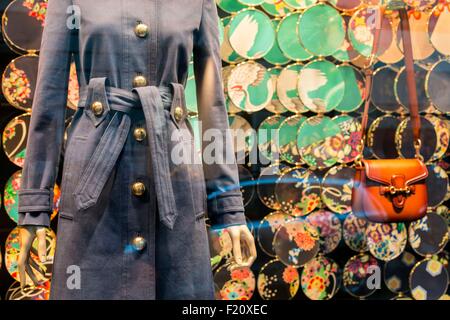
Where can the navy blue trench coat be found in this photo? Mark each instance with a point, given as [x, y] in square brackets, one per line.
[131, 220]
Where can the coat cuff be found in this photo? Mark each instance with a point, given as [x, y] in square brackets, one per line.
[35, 200]
[34, 219]
[226, 211]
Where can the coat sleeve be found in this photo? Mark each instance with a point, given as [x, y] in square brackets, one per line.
[225, 205]
[46, 130]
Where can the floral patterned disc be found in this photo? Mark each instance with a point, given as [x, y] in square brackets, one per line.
[329, 227]
[396, 272]
[226, 51]
[428, 280]
[438, 28]
[247, 183]
[354, 233]
[381, 137]
[401, 91]
[405, 141]
[12, 251]
[275, 105]
[287, 88]
[73, 95]
[235, 284]
[437, 185]
[250, 86]
[288, 40]
[251, 33]
[354, 89]
[19, 81]
[23, 23]
[421, 44]
[319, 142]
[11, 197]
[38, 293]
[428, 235]
[298, 191]
[230, 6]
[420, 4]
[14, 138]
[346, 53]
[346, 5]
[325, 23]
[277, 281]
[287, 133]
[321, 278]
[386, 241]
[220, 246]
[356, 275]
[243, 136]
[296, 242]
[267, 228]
[443, 136]
[266, 185]
[275, 8]
[383, 95]
[321, 86]
[351, 133]
[275, 56]
[268, 139]
[336, 191]
[300, 4]
[437, 83]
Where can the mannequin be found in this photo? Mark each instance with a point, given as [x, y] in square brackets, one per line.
[130, 218]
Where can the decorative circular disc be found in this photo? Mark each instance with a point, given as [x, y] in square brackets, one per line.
[298, 191]
[288, 40]
[252, 2]
[230, 6]
[23, 23]
[267, 229]
[329, 227]
[346, 5]
[243, 136]
[277, 281]
[247, 183]
[437, 185]
[336, 191]
[354, 89]
[266, 185]
[401, 88]
[354, 233]
[383, 95]
[351, 132]
[275, 105]
[287, 88]
[275, 8]
[421, 5]
[381, 137]
[300, 4]
[19, 81]
[236, 284]
[436, 85]
[444, 258]
[321, 278]
[428, 235]
[268, 141]
[38, 293]
[251, 33]
[442, 134]
[12, 251]
[14, 138]
[231, 107]
[226, 50]
[296, 242]
[356, 275]
[275, 56]
[428, 280]
[321, 86]
[396, 272]
[392, 54]
[319, 142]
[287, 135]
[250, 86]
[438, 28]
[386, 241]
[325, 23]
[220, 246]
[346, 53]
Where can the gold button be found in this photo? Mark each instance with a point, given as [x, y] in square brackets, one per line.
[139, 243]
[140, 134]
[141, 30]
[138, 188]
[97, 108]
[139, 81]
[178, 113]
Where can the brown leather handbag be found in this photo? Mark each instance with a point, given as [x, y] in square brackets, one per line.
[391, 190]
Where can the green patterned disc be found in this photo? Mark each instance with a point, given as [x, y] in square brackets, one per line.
[321, 86]
[230, 6]
[322, 30]
[275, 8]
[268, 141]
[275, 106]
[251, 34]
[250, 86]
[251, 2]
[288, 40]
[231, 108]
[351, 132]
[346, 53]
[287, 134]
[300, 4]
[227, 53]
[319, 142]
[354, 89]
[275, 55]
[287, 88]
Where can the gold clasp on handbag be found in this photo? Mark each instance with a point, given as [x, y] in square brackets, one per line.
[394, 191]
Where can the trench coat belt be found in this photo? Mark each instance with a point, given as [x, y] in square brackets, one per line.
[153, 100]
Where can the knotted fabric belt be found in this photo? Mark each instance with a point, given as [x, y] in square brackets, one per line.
[153, 100]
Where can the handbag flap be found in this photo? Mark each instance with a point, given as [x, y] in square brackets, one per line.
[383, 170]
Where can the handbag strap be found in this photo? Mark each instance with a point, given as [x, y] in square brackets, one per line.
[410, 78]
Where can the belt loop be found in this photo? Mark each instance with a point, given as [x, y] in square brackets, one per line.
[97, 92]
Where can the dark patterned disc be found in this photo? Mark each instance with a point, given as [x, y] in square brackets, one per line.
[267, 229]
[354, 233]
[428, 235]
[381, 137]
[277, 281]
[396, 272]
[437, 84]
[401, 88]
[266, 185]
[336, 191]
[247, 183]
[329, 227]
[383, 96]
[437, 185]
[428, 280]
[358, 273]
[14, 138]
[321, 278]
[234, 283]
